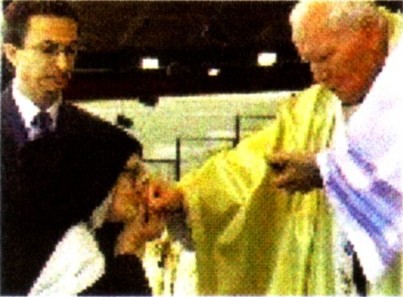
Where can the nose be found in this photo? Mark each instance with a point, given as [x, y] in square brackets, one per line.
[64, 62]
[320, 74]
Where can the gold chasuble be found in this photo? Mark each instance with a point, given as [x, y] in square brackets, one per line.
[251, 239]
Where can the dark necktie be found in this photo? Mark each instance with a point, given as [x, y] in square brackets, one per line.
[42, 122]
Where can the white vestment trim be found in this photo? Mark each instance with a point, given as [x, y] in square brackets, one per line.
[74, 266]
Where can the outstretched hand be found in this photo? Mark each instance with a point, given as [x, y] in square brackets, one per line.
[143, 204]
[295, 172]
[164, 198]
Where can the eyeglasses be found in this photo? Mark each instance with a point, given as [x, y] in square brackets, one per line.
[52, 49]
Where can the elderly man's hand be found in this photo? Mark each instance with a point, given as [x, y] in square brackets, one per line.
[164, 198]
[295, 172]
[143, 204]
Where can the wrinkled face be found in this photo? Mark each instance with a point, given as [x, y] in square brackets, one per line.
[44, 64]
[346, 61]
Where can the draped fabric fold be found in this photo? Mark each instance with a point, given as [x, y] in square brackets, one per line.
[251, 239]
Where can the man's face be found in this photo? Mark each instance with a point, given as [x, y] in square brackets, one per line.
[44, 64]
[346, 62]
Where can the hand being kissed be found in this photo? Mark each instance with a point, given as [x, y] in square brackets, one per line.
[143, 204]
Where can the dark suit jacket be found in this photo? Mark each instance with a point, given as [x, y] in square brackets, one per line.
[51, 184]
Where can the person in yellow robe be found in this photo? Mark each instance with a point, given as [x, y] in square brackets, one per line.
[250, 238]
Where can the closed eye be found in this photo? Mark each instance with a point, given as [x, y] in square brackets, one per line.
[324, 57]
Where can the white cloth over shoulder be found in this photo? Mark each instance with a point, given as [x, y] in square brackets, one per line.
[362, 172]
[74, 266]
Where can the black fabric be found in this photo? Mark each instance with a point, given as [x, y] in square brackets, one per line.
[43, 122]
[51, 184]
[124, 273]
[359, 278]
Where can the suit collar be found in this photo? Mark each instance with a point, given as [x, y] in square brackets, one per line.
[11, 120]
[28, 110]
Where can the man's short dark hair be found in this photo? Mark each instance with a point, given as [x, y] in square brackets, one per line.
[17, 14]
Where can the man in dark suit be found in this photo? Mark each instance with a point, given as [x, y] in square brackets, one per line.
[58, 165]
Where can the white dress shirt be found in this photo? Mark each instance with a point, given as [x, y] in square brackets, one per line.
[28, 110]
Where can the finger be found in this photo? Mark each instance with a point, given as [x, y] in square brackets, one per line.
[291, 184]
[165, 197]
[288, 186]
[286, 181]
[277, 167]
[277, 162]
[282, 181]
[157, 190]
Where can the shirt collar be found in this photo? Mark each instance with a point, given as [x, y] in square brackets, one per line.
[29, 110]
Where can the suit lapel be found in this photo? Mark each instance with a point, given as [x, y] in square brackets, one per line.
[12, 125]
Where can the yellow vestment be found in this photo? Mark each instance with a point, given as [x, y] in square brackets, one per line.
[251, 239]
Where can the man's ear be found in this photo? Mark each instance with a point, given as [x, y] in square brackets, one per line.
[10, 51]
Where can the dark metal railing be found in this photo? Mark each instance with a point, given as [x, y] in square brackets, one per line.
[235, 140]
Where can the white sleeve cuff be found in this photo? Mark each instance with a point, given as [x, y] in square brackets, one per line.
[75, 265]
